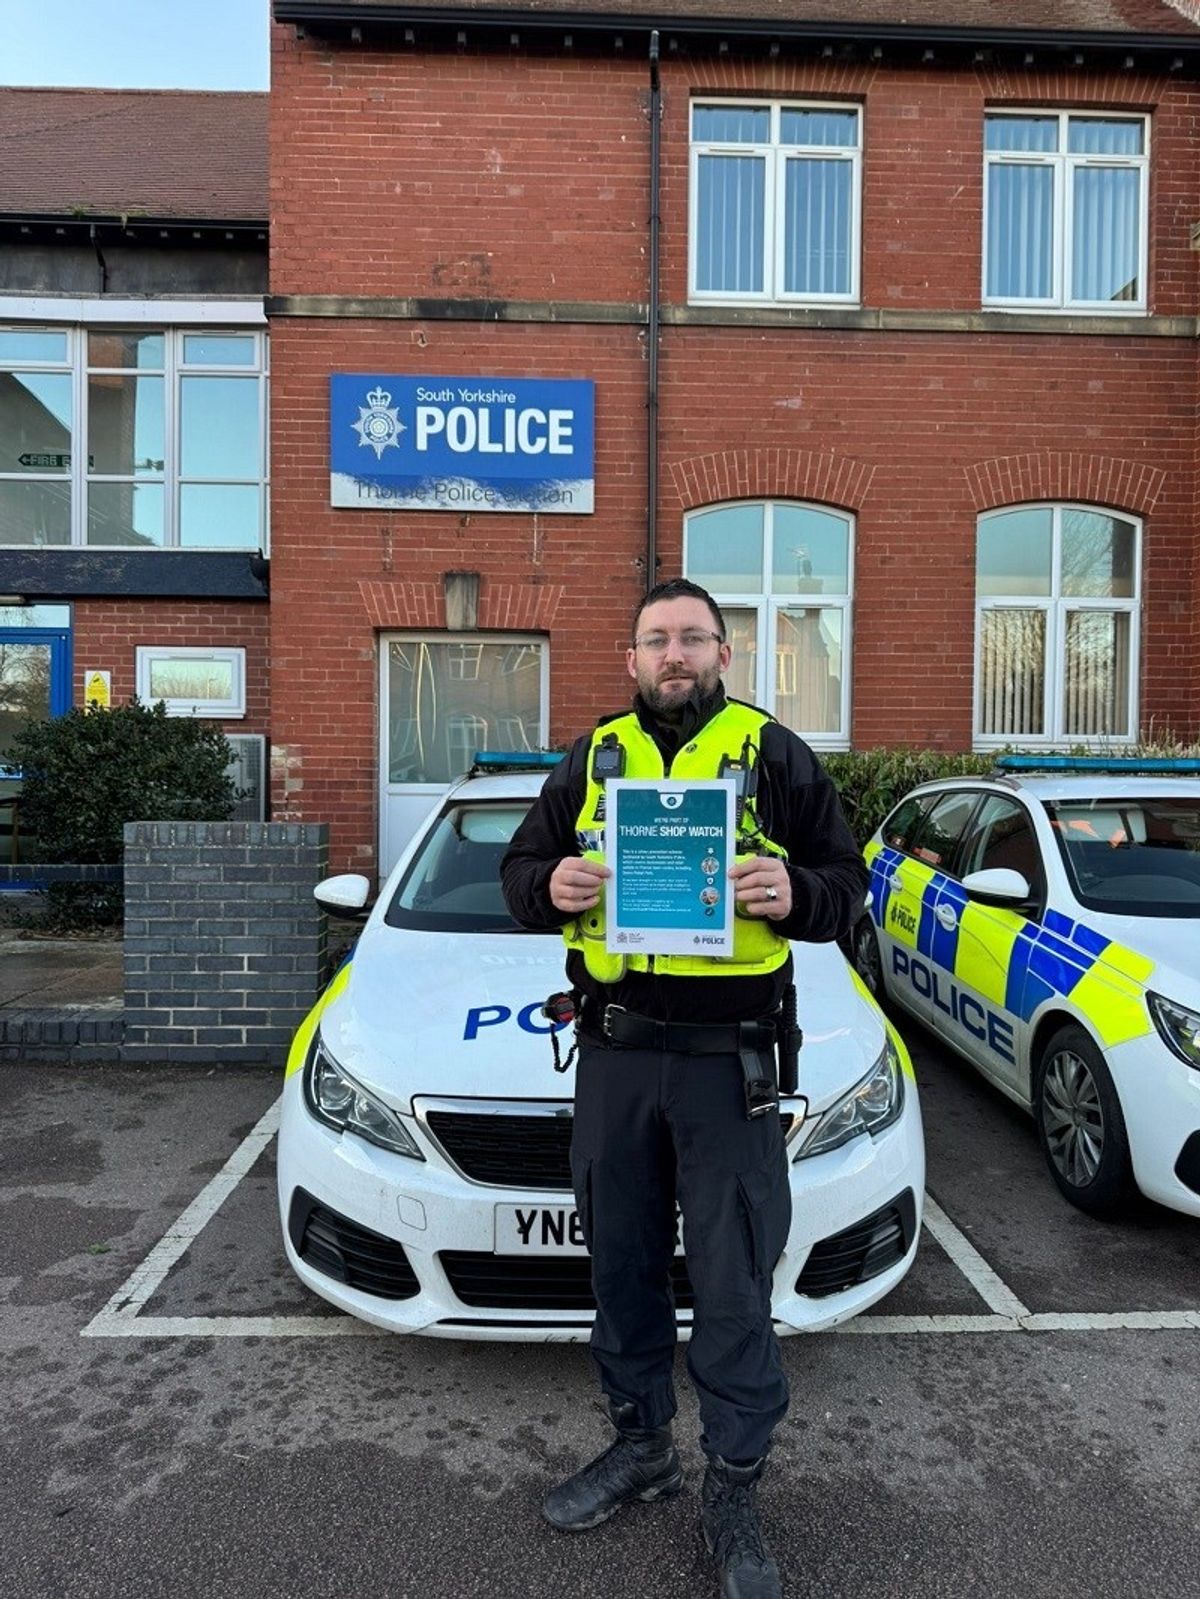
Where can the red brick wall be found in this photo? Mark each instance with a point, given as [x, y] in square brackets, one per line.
[107, 633]
[508, 176]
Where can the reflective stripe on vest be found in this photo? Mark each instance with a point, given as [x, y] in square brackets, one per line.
[757, 947]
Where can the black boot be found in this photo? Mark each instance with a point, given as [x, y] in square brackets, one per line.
[729, 1520]
[642, 1464]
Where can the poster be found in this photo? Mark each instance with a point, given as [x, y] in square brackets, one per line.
[669, 846]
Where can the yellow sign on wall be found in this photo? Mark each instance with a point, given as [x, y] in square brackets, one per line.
[97, 690]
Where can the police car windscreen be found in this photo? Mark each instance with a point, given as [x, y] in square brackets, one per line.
[1133, 858]
[452, 885]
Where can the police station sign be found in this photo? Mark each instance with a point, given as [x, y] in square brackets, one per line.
[461, 444]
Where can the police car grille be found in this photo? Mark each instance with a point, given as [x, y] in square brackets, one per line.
[536, 1282]
[862, 1251]
[349, 1253]
[512, 1151]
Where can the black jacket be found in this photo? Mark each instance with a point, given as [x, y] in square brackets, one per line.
[798, 808]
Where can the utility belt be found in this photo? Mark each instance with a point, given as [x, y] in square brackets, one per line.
[756, 1043]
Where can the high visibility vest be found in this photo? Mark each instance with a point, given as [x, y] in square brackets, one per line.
[735, 733]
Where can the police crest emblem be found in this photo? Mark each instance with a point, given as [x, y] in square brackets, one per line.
[379, 425]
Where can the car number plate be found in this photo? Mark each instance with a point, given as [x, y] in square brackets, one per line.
[547, 1230]
[539, 1230]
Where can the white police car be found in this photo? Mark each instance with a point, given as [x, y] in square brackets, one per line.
[1046, 922]
[423, 1151]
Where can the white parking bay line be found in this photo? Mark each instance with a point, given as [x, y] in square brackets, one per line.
[145, 1278]
[996, 1295]
[125, 1326]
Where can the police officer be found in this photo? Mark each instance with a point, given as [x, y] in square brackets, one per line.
[673, 1052]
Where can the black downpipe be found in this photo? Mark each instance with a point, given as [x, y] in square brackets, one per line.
[651, 573]
[100, 261]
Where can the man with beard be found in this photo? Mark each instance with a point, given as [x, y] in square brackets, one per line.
[673, 1052]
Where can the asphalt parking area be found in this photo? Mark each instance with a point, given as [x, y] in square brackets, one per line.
[1001, 1252]
[220, 1430]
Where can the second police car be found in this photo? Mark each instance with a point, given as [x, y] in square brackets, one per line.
[1045, 921]
[423, 1150]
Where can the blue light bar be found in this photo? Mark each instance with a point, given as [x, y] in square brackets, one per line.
[1116, 764]
[515, 760]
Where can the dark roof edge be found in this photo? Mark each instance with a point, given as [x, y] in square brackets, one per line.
[313, 13]
[76, 220]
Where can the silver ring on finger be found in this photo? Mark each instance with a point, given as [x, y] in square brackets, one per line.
[772, 893]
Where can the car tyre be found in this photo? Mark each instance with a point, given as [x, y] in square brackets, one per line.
[867, 959]
[1080, 1125]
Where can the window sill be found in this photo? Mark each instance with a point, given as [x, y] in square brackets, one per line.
[1058, 324]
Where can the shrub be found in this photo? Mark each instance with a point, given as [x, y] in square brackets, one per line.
[87, 773]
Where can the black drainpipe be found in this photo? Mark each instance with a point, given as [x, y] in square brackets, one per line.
[651, 573]
[100, 261]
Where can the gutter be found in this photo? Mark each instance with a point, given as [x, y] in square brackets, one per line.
[326, 16]
[88, 224]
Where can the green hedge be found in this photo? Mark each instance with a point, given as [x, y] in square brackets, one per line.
[85, 774]
[871, 782]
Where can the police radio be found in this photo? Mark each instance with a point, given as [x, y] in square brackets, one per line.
[745, 778]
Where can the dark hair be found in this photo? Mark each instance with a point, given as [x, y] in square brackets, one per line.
[680, 588]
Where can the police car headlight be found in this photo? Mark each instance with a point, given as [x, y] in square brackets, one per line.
[1178, 1028]
[869, 1107]
[336, 1099]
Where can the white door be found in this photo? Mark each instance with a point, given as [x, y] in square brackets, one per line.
[441, 700]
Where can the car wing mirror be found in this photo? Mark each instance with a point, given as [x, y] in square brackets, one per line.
[345, 895]
[998, 885]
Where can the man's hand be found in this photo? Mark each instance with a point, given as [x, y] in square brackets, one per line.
[575, 884]
[763, 887]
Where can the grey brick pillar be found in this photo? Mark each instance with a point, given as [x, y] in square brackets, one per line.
[225, 946]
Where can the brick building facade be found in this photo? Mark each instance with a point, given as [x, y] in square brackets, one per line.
[467, 192]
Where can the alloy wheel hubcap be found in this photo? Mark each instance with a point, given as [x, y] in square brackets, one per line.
[1073, 1118]
[867, 961]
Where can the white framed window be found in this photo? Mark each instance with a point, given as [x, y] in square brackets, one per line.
[1065, 211]
[133, 437]
[193, 680]
[775, 202]
[783, 574]
[1057, 626]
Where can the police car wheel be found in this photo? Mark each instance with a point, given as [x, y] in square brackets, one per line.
[867, 960]
[1080, 1125]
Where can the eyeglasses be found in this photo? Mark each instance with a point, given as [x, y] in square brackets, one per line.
[691, 643]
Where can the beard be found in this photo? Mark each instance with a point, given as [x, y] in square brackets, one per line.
[687, 687]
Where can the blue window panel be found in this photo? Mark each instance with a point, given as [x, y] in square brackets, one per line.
[817, 227]
[1020, 203]
[731, 124]
[836, 128]
[730, 234]
[1104, 255]
[1094, 136]
[1024, 134]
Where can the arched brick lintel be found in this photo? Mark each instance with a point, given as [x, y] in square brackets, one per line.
[1065, 475]
[512, 607]
[771, 474]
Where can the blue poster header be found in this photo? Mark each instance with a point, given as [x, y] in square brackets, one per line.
[461, 444]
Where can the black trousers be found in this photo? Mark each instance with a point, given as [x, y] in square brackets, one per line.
[653, 1129]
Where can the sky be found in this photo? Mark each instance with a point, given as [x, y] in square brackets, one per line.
[135, 44]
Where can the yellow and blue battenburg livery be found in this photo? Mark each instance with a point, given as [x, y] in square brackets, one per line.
[1017, 964]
